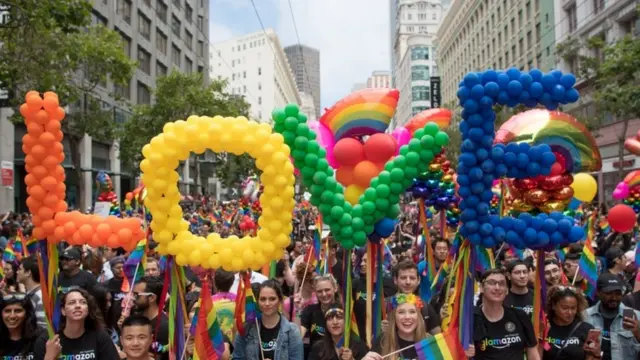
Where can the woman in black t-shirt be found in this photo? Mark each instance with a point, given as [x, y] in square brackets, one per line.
[19, 327]
[81, 334]
[567, 332]
[312, 319]
[331, 348]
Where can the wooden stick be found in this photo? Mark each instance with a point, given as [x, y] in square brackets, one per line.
[399, 351]
[184, 352]
[575, 276]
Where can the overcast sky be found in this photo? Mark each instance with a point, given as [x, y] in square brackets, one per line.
[352, 35]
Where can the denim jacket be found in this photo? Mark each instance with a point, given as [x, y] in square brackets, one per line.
[289, 343]
[623, 344]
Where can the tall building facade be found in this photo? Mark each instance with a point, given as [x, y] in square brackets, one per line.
[379, 79]
[305, 64]
[258, 70]
[308, 106]
[497, 34]
[610, 20]
[413, 53]
[162, 35]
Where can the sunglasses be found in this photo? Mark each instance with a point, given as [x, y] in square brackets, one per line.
[14, 297]
[137, 294]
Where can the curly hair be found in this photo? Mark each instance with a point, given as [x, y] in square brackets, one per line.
[557, 293]
[30, 331]
[304, 271]
[94, 319]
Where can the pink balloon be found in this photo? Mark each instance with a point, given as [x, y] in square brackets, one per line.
[325, 139]
[621, 192]
[402, 137]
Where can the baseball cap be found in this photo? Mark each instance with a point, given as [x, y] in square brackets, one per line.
[612, 254]
[71, 254]
[608, 282]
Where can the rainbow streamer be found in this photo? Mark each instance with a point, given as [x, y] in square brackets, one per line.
[430, 265]
[562, 254]
[485, 259]
[246, 309]
[538, 317]
[209, 343]
[48, 268]
[135, 265]
[443, 346]
[350, 326]
[177, 309]
[588, 266]
[464, 291]
[10, 254]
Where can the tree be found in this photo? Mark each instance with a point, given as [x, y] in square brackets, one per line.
[453, 130]
[612, 74]
[50, 45]
[178, 96]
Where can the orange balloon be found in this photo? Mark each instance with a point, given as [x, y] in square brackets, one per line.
[62, 206]
[37, 192]
[40, 172]
[363, 172]
[59, 233]
[47, 139]
[53, 126]
[104, 231]
[26, 149]
[86, 232]
[113, 242]
[33, 204]
[125, 235]
[61, 218]
[76, 239]
[49, 226]
[50, 162]
[50, 103]
[24, 110]
[69, 229]
[49, 183]
[34, 100]
[30, 180]
[344, 175]
[51, 200]
[59, 174]
[95, 241]
[58, 134]
[41, 117]
[30, 160]
[50, 94]
[114, 223]
[60, 157]
[57, 148]
[38, 233]
[45, 213]
[35, 219]
[57, 114]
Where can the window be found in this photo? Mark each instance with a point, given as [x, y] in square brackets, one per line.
[409, 16]
[200, 22]
[513, 54]
[244, 89]
[520, 18]
[161, 11]
[434, 16]
[259, 100]
[188, 13]
[200, 69]
[146, 2]
[539, 60]
[420, 93]
[409, 28]
[161, 42]
[188, 39]
[161, 70]
[175, 25]
[244, 74]
[144, 26]
[419, 72]
[529, 43]
[527, 8]
[123, 91]
[422, 17]
[144, 96]
[598, 5]
[233, 77]
[175, 55]
[521, 44]
[573, 17]
[200, 48]
[144, 61]
[126, 44]
[538, 32]
[188, 64]
[123, 8]
[422, 29]
[97, 19]
[259, 71]
[513, 26]
[420, 53]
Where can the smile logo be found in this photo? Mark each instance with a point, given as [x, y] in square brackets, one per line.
[510, 327]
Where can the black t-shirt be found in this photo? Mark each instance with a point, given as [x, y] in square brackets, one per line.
[83, 279]
[507, 338]
[429, 315]
[91, 345]
[559, 336]
[286, 290]
[312, 318]
[269, 337]
[407, 354]
[12, 350]
[360, 300]
[161, 333]
[337, 272]
[605, 345]
[358, 349]
[521, 302]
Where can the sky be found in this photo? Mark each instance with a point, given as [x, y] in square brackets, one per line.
[351, 35]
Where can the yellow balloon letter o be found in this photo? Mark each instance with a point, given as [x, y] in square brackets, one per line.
[236, 135]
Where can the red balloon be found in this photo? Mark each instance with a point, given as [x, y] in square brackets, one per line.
[348, 152]
[525, 184]
[379, 148]
[561, 160]
[622, 218]
[552, 182]
[556, 169]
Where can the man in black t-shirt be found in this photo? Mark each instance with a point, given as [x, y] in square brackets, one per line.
[520, 296]
[147, 292]
[136, 337]
[71, 275]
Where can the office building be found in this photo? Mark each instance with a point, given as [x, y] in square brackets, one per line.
[308, 106]
[610, 20]
[305, 64]
[498, 34]
[379, 79]
[414, 26]
[258, 70]
[161, 35]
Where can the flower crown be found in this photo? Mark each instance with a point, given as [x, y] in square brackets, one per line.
[406, 299]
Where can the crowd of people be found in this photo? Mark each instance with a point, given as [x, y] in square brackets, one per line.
[302, 312]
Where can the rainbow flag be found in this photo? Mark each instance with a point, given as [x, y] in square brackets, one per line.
[485, 259]
[588, 265]
[444, 346]
[604, 226]
[209, 343]
[515, 252]
[135, 265]
[246, 309]
[562, 254]
[9, 254]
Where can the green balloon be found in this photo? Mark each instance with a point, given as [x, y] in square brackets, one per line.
[404, 150]
[307, 173]
[368, 229]
[356, 211]
[298, 155]
[396, 187]
[316, 189]
[313, 147]
[370, 194]
[413, 159]
[374, 182]
[312, 135]
[347, 208]
[442, 138]
[325, 209]
[357, 223]
[330, 184]
[393, 211]
[431, 129]
[301, 142]
[382, 191]
[279, 127]
[411, 172]
[389, 166]
[396, 175]
[368, 220]
[400, 161]
[322, 153]
[394, 199]
[346, 232]
[427, 141]
[323, 166]
[347, 244]
[345, 220]
[278, 115]
[315, 200]
[368, 207]
[327, 197]
[414, 145]
[338, 199]
[337, 212]
[408, 181]
[319, 178]
[291, 123]
[379, 214]
[291, 110]
[302, 117]
[360, 238]
[384, 177]
[302, 130]
[382, 203]
[289, 138]
[311, 160]
[426, 156]
[418, 134]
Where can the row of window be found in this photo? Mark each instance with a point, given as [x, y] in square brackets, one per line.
[420, 72]
[252, 44]
[423, 16]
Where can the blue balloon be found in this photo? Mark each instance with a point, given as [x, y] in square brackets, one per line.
[557, 74]
[556, 238]
[463, 180]
[477, 92]
[476, 134]
[503, 81]
[468, 146]
[385, 227]
[522, 160]
[510, 159]
[501, 170]
[512, 237]
[513, 73]
[564, 226]
[489, 76]
[548, 158]
[536, 74]
[535, 153]
[519, 226]
[530, 235]
[482, 154]
[557, 93]
[524, 147]
[473, 226]
[542, 239]
[515, 88]
[576, 234]
[475, 120]
[503, 97]
[471, 105]
[475, 239]
[526, 80]
[477, 188]
[499, 234]
[524, 97]
[548, 81]
[533, 169]
[572, 95]
[491, 89]
[475, 174]
[471, 79]
[463, 94]
[568, 80]
[497, 154]
[486, 229]
[536, 90]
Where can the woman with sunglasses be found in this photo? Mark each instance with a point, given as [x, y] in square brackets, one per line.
[19, 327]
[82, 334]
[331, 347]
[312, 320]
[272, 337]
[567, 331]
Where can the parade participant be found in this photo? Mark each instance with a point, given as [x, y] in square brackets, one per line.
[330, 348]
[552, 272]
[312, 319]
[29, 276]
[440, 251]
[501, 332]
[304, 274]
[615, 262]
[274, 337]
[520, 296]
[10, 283]
[224, 302]
[117, 269]
[147, 292]
[153, 267]
[71, 275]
[18, 329]
[567, 334]
[618, 323]
[571, 267]
[136, 338]
[81, 332]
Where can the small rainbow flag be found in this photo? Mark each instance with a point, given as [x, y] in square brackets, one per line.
[9, 254]
[209, 343]
[515, 252]
[135, 265]
[587, 265]
[246, 309]
[445, 346]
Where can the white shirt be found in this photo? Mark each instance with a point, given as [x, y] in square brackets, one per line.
[106, 274]
[256, 277]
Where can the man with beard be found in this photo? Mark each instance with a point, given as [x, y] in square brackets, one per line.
[552, 272]
[620, 334]
[71, 274]
[519, 297]
[147, 292]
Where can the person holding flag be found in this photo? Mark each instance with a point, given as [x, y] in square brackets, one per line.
[332, 346]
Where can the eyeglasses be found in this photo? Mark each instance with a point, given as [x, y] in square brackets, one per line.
[566, 288]
[137, 294]
[14, 297]
[495, 283]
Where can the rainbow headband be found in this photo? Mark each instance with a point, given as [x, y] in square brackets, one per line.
[333, 312]
[401, 299]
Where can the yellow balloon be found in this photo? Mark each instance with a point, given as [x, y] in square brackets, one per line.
[352, 194]
[584, 187]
